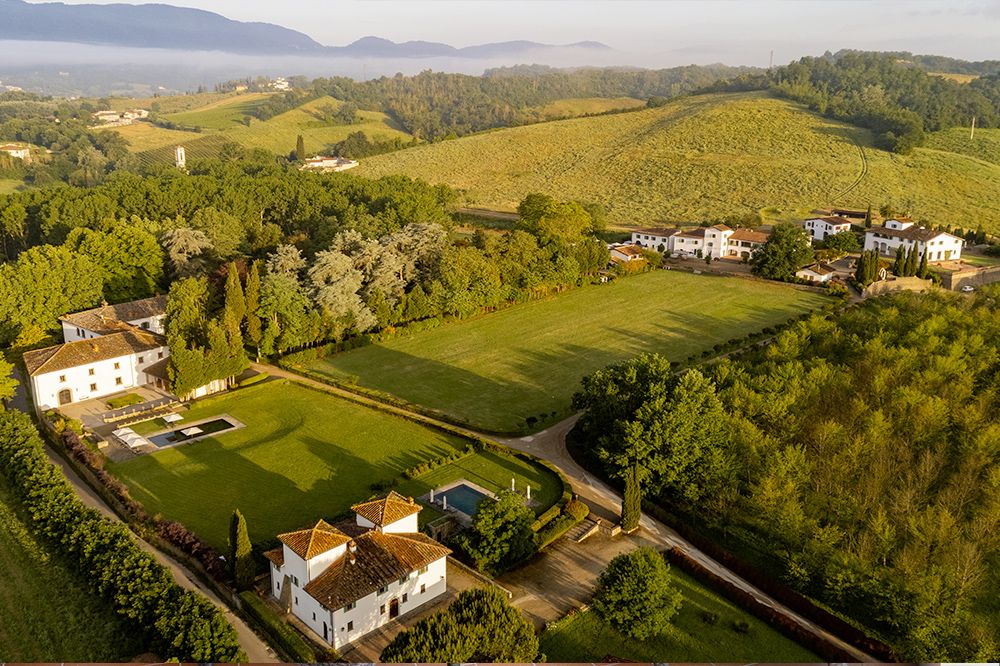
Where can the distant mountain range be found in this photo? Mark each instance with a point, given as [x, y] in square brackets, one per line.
[180, 28]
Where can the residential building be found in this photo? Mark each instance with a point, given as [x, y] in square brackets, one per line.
[17, 150]
[818, 272]
[106, 350]
[625, 253]
[940, 245]
[743, 242]
[348, 580]
[658, 239]
[708, 241]
[821, 227]
[328, 164]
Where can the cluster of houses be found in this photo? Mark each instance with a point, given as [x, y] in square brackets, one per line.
[120, 118]
[106, 350]
[718, 241]
[9, 88]
[322, 164]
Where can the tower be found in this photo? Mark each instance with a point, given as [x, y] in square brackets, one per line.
[180, 157]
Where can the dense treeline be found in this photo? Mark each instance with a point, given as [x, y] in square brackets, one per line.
[434, 105]
[858, 454]
[942, 64]
[175, 624]
[874, 90]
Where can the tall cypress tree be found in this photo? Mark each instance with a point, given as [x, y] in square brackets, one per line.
[868, 217]
[631, 501]
[922, 271]
[898, 266]
[235, 308]
[252, 304]
[241, 562]
[911, 262]
[300, 149]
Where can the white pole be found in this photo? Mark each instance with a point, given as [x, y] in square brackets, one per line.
[444, 502]
[529, 492]
[432, 496]
[972, 132]
[512, 484]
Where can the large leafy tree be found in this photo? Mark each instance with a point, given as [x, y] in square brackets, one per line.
[479, 626]
[786, 251]
[128, 256]
[8, 385]
[501, 533]
[635, 594]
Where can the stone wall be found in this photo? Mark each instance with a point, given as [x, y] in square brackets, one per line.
[975, 277]
[897, 284]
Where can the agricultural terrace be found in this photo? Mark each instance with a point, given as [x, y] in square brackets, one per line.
[498, 370]
[47, 613]
[703, 157]
[304, 455]
[221, 122]
[705, 630]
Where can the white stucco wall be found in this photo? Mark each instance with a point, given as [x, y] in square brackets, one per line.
[103, 374]
[651, 240]
[943, 247]
[821, 229]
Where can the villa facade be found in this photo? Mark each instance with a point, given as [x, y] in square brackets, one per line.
[940, 245]
[717, 241]
[348, 580]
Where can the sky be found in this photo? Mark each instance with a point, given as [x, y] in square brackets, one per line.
[664, 31]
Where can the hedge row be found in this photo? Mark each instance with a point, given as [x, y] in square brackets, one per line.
[174, 623]
[279, 634]
[547, 516]
[572, 515]
[170, 531]
[434, 463]
[775, 589]
[821, 646]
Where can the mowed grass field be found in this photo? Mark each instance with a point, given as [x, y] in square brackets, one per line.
[984, 145]
[585, 637]
[582, 106]
[221, 122]
[497, 370]
[704, 157]
[304, 455]
[47, 613]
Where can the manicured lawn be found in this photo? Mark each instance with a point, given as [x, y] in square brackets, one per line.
[303, 455]
[497, 370]
[47, 613]
[586, 638]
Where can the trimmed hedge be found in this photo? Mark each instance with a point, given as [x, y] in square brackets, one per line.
[434, 463]
[748, 602]
[547, 516]
[176, 624]
[126, 401]
[279, 634]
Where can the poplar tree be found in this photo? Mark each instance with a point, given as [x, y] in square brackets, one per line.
[922, 272]
[899, 265]
[300, 149]
[235, 308]
[868, 217]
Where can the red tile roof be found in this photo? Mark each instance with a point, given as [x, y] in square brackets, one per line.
[83, 352]
[387, 510]
[317, 540]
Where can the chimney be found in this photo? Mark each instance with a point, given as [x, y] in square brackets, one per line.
[351, 549]
[93, 347]
[411, 499]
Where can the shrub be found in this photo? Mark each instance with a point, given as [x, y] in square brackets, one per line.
[741, 627]
[577, 509]
[636, 595]
[125, 401]
[279, 634]
[547, 516]
[555, 529]
[709, 617]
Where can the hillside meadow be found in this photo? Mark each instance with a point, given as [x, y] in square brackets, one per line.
[497, 371]
[704, 157]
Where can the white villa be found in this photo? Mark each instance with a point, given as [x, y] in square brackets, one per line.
[940, 245]
[328, 164]
[624, 253]
[821, 227]
[347, 581]
[107, 350]
[718, 241]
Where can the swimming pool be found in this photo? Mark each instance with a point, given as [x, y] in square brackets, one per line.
[177, 437]
[462, 497]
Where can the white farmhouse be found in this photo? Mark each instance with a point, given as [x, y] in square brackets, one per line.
[658, 239]
[710, 241]
[940, 245]
[16, 150]
[624, 253]
[818, 272]
[345, 582]
[821, 227]
[743, 242]
[328, 164]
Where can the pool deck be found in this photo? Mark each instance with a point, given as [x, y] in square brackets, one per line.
[461, 516]
[181, 425]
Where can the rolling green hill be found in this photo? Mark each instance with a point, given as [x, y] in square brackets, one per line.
[985, 145]
[705, 157]
[220, 121]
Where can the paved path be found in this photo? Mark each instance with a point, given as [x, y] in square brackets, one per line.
[550, 445]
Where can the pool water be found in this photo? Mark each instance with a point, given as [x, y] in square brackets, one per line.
[462, 498]
[177, 437]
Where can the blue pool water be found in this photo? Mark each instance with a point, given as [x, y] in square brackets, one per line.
[462, 497]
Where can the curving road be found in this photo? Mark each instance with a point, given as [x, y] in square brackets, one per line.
[550, 444]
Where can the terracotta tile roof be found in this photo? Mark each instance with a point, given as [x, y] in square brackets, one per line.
[159, 369]
[628, 250]
[920, 234]
[83, 352]
[277, 555]
[386, 510]
[378, 559]
[309, 543]
[102, 319]
[820, 268]
[750, 235]
[834, 220]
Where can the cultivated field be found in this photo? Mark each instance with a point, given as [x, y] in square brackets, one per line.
[173, 103]
[47, 613]
[497, 370]
[690, 638]
[221, 122]
[582, 106]
[704, 157]
[985, 145]
[304, 455]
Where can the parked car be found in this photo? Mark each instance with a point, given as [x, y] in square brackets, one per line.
[968, 289]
